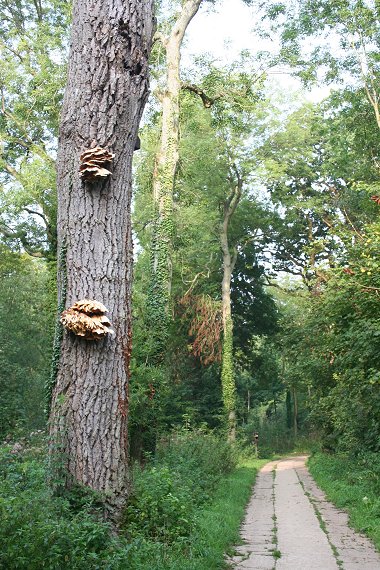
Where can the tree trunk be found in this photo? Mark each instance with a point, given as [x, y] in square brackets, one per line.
[295, 411]
[163, 185]
[289, 412]
[274, 402]
[228, 373]
[104, 99]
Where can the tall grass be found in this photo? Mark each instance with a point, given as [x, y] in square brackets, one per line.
[352, 483]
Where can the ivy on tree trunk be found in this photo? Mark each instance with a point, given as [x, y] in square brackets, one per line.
[228, 373]
[163, 185]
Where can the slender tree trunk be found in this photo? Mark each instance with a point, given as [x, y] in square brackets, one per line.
[163, 185]
[295, 411]
[228, 373]
[289, 414]
[274, 403]
[104, 99]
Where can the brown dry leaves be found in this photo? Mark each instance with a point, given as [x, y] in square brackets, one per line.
[93, 162]
[206, 327]
[86, 318]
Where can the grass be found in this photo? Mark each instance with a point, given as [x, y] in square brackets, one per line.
[352, 484]
[218, 523]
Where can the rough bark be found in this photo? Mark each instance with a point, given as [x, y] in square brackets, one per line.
[104, 99]
[163, 184]
[228, 376]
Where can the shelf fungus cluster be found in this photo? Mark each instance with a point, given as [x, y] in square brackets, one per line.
[86, 318]
[93, 162]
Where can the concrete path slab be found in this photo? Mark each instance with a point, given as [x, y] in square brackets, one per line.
[289, 525]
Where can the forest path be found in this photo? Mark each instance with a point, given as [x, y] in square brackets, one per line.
[289, 525]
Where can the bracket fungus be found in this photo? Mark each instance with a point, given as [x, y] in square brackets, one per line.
[86, 318]
[93, 162]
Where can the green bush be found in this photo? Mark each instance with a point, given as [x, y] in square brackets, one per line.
[183, 476]
[39, 530]
[200, 458]
[161, 506]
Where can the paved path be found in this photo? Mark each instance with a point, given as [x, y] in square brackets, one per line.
[289, 525]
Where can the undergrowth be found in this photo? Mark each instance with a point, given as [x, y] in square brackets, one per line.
[352, 483]
[184, 511]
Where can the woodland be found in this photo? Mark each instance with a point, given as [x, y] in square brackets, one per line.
[250, 223]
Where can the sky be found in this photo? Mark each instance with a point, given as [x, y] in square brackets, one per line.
[223, 31]
[227, 29]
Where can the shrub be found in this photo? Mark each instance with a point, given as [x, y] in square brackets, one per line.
[161, 506]
[39, 530]
[183, 475]
[200, 458]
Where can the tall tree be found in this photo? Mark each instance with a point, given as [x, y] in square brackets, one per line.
[239, 122]
[163, 180]
[216, 159]
[105, 96]
[228, 381]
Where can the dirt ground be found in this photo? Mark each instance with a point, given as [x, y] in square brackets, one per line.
[289, 525]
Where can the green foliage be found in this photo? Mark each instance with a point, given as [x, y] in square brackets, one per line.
[33, 44]
[170, 522]
[183, 476]
[218, 527]
[158, 302]
[58, 332]
[254, 309]
[199, 456]
[212, 141]
[330, 345]
[216, 530]
[352, 483]
[345, 34]
[162, 509]
[269, 420]
[40, 531]
[228, 377]
[26, 298]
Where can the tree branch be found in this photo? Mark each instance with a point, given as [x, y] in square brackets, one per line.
[285, 289]
[189, 9]
[35, 213]
[38, 149]
[8, 233]
[193, 282]
[206, 100]
[12, 171]
[38, 6]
